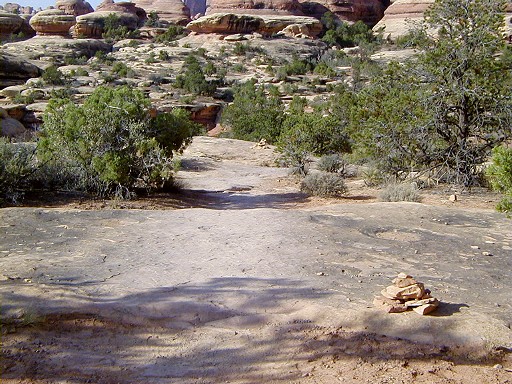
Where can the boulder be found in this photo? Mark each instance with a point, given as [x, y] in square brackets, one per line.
[10, 127]
[9, 23]
[14, 70]
[260, 7]
[170, 11]
[230, 23]
[52, 22]
[74, 7]
[368, 11]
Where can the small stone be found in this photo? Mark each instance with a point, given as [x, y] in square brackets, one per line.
[419, 303]
[425, 309]
[403, 275]
[321, 274]
[498, 366]
[475, 247]
[389, 305]
[487, 253]
[401, 283]
[415, 291]
[453, 198]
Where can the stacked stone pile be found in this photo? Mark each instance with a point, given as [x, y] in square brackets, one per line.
[406, 293]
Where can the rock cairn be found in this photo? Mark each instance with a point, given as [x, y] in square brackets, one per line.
[406, 293]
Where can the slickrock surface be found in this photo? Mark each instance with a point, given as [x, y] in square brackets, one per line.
[249, 282]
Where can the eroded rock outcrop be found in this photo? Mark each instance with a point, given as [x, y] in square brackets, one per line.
[14, 70]
[400, 16]
[171, 11]
[9, 23]
[368, 11]
[258, 7]
[123, 7]
[52, 22]
[230, 23]
[18, 9]
[74, 7]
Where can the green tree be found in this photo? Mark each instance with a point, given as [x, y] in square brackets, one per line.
[112, 143]
[193, 79]
[451, 104]
[254, 114]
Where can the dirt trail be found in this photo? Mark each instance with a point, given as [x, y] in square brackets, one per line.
[254, 283]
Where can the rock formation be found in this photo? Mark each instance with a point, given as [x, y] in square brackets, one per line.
[10, 127]
[123, 7]
[263, 7]
[368, 11]
[91, 24]
[406, 293]
[231, 23]
[171, 11]
[10, 23]
[16, 71]
[74, 7]
[52, 22]
[17, 9]
[399, 16]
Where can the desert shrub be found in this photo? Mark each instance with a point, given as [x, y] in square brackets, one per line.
[499, 174]
[28, 98]
[17, 164]
[112, 145]
[400, 192]
[342, 34]
[163, 55]
[122, 69]
[332, 163]
[192, 78]
[113, 29]
[53, 76]
[153, 20]
[254, 113]
[79, 72]
[210, 69]
[71, 60]
[323, 184]
[172, 33]
[324, 70]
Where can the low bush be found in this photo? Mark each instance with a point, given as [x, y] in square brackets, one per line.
[323, 184]
[112, 144]
[17, 164]
[499, 174]
[53, 76]
[395, 192]
[333, 163]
